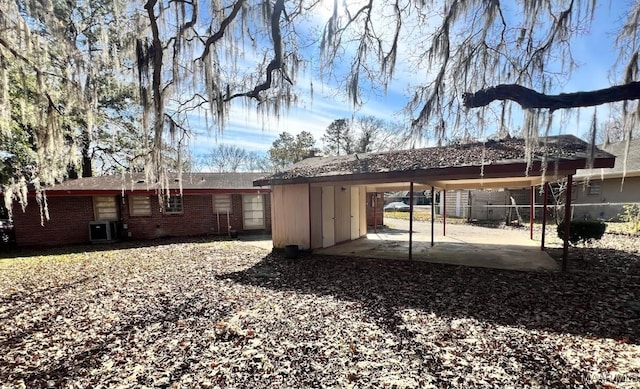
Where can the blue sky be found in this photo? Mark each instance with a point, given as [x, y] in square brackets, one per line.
[593, 52]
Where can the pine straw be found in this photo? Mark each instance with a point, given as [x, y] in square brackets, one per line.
[226, 314]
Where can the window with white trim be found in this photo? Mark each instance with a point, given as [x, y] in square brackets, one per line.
[140, 205]
[222, 203]
[253, 211]
[105, 208]
[173, 205]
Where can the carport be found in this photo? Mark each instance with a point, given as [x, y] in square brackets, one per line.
[320, 202]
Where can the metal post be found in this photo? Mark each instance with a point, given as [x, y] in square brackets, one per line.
[411, 221]
[567, 223]
[433, 211]
[443, 194]
[532, 210]
[545, 201]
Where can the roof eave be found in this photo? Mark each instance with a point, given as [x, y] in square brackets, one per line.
[496, 170]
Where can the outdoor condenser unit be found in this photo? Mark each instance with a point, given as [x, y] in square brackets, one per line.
[103, 231]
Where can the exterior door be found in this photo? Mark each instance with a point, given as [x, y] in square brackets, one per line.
[355, 212]
[328, 217]
[253, 212]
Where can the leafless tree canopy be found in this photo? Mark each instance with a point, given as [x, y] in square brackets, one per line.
[193, 58]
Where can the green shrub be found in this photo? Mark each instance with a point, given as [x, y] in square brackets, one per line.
[631, 215]
[583, 231]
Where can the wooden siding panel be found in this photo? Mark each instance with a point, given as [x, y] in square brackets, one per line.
[290, 213]
[355, 212]
[316, 217]
[328, 216]
[342, 213]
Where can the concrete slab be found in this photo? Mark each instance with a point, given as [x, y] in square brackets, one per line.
[509, 257]
[464, 245]
[259, 240]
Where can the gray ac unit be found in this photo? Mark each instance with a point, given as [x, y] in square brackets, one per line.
[103, 231]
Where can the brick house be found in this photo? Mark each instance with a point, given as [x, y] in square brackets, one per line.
[106, 208]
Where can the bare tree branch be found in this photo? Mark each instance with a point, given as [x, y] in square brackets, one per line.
[529, 98]
[276, 63]
[223, 27]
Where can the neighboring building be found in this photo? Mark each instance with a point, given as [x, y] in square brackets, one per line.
[321, 201]
[505, 204]
[422, 197]
[601, 193]
[105, 208]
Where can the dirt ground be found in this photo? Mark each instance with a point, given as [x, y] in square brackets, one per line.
[222, 314]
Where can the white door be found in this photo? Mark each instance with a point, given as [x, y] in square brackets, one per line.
[328, 218]
[253, 212]
[355, 212]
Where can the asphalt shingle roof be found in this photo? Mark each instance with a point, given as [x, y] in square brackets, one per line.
[633, 159]
[618, 149]
[479, 154]
[137, 182]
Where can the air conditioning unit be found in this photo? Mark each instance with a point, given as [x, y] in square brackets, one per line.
[103, 231]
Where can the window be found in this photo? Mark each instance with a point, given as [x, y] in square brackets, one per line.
[140, 205]
[105, 208]
[594, 188]
[253, 211]
[222, 203]
[173, 205]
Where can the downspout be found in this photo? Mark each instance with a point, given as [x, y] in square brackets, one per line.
[411, 221]
[567, 223]
[545, 201]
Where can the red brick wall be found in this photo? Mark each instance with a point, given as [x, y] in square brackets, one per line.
[70, 217]
[68, 222]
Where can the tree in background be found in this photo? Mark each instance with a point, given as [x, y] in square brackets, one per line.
[287, 149]
[365, 134]
[338, 138]
[230, 158]
[186, 56]
[613, 129]
[374, 135]
[258, 162]
[226, 158]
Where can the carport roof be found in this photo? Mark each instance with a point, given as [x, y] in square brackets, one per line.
[495, 163]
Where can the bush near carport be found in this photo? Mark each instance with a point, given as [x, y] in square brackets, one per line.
[583, 231]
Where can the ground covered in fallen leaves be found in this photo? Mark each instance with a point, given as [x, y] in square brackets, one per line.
[227, 314]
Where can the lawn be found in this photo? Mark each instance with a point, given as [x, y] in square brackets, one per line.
[227, 314]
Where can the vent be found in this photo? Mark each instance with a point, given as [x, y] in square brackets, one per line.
[103, 231]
